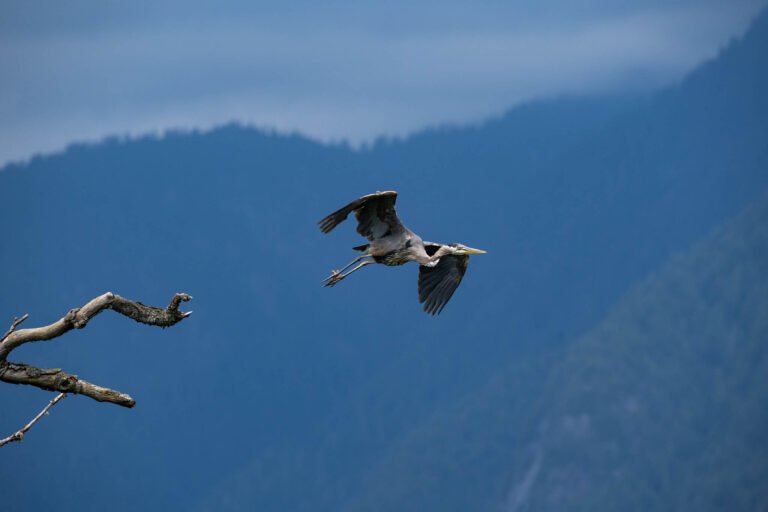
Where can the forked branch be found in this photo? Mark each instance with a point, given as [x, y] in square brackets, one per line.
[55, 379]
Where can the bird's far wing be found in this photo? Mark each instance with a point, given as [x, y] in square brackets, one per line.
[437, 284]
[376, 216]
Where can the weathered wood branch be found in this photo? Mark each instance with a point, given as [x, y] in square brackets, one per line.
[19, 436]
[57, 380]
[54, 379]
[79, 317]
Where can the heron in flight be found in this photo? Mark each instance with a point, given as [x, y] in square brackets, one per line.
[442, 266]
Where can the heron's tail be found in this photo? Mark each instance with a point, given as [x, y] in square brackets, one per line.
[361, 248]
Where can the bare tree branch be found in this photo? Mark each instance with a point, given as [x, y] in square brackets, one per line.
[79, 318]
[55, 379]
[19, 436]
[14, 325]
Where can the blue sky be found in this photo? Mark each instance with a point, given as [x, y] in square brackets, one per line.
[333, 70]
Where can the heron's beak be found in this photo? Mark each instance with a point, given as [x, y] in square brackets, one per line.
[470, 250]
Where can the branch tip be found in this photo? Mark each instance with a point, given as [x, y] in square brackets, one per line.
[19, 436]
[177, 300]
[16, 322]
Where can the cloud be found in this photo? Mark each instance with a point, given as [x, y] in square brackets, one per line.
[354, 76]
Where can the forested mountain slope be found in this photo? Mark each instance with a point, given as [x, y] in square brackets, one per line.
[661, 406]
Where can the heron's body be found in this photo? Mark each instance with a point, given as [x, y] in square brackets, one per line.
[442, 266]
[394, 251]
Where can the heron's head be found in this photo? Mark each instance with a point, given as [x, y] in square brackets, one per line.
[461, 250]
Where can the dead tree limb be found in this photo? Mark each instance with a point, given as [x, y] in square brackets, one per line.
[19, 436]
[54, 379]
[79, 317]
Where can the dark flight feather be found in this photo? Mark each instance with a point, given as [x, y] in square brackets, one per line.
[437, 284]
[375, 213]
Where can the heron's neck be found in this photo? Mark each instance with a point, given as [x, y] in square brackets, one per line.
[431, 261]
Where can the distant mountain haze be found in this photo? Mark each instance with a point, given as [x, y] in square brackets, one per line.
[340, 70]
[604, 355]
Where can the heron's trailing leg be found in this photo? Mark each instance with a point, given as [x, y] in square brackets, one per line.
[351, 263]
[335, 273]
[338, 276]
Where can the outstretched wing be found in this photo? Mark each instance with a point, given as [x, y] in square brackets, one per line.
[376, 216]
[437, 284]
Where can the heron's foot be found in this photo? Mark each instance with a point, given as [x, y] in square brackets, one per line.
[334, 278]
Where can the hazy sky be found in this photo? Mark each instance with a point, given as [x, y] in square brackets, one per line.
[80, 70]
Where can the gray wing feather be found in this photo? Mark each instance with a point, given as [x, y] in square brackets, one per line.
[437, 284]
[375, 213]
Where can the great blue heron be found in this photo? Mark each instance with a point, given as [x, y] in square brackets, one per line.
[442, 266]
